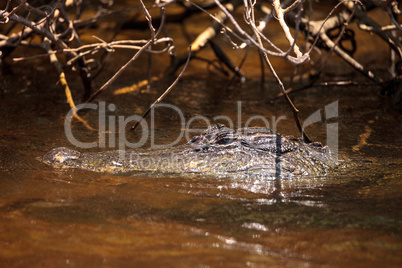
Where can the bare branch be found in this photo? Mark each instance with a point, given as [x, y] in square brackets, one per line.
[161, 97]
[280, 13]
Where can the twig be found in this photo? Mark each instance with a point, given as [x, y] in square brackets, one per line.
[294, 60]
[331, 84]
[63, 81]
[91, 49]
[149, 20]
[319, 28]
[280, 13]
[376, 28]
[38, 28]
[282, 88]
[117, 74]
[164, 93]
[225, 59]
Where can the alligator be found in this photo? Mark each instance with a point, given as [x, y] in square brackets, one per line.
[217, 150]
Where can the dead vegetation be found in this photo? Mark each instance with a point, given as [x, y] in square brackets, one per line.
[56, 27]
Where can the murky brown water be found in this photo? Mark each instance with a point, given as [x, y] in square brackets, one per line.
[51, 217]
[77, 218]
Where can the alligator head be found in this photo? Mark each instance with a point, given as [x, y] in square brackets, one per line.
[217, 150]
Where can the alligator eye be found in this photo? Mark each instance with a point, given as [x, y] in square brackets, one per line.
[194, 139]
[224, 141]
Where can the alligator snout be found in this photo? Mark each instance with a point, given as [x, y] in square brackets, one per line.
[59, 155]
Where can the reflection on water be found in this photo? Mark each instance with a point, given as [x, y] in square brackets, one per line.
[81, 218]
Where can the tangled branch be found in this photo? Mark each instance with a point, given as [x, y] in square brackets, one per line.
[23, 24]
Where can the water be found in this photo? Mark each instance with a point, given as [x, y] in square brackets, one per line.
[79, 218]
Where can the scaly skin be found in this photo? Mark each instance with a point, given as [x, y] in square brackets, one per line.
[218, 150]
